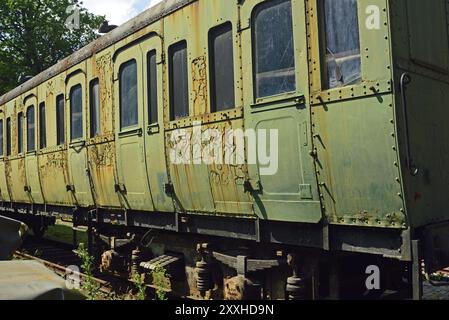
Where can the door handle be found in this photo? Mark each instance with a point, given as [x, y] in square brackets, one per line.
[406, 79]
[153, 129]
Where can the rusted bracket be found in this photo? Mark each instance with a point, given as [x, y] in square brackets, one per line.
[251, 186]
[169, 189]
[120, 188]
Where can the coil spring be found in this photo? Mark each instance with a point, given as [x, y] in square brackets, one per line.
[135, 260]
[203, 277]
[296, 288]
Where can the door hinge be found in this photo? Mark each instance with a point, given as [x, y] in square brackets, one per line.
[120, 187]
[252, 186]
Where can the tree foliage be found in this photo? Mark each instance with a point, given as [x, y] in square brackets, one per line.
[33, 36]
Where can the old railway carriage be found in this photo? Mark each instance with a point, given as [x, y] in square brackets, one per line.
[356, 89]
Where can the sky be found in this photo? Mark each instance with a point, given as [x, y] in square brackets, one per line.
[118, 11]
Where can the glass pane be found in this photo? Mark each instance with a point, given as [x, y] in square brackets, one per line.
[222, 68]
[31, 143]
[8, 136]
[60, 138]
[152, 87]
[95, 129]
[1, 137]
[128, 94]
[179, 88]
[274, 56]
[42, 127]
[342, 56]
[20, 133]
[76, 112]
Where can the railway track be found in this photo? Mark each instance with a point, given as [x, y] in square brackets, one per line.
[59, 257]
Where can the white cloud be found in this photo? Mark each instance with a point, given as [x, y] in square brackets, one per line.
[153, 2]
[118, 11]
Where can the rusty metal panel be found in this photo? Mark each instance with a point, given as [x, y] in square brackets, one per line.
[206, 188]
[101, 148]
[77, 162]
[358, 176]
[52, 160]
[4, 190]
[15, 164]
[132, 185]
[156, 164]
[289, 193]
[33, 187]
[353, 129]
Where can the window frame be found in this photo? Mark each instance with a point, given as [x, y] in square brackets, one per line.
[28, 150]
[20, 133]
[8, 137]
[71, 113]
[60, 140]
[253, 19]
[172, 48]
[97, 132]
[212, 35]
[324, 83]
[42, 126]
[2, 138]
[153, 111]
[120, 70]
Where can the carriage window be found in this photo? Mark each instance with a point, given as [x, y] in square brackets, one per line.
[42, 127]
[20, 133]
[273, 48]
[128, 94]
[60, 138]
[221, 55]
[76, 112]
[8, 136]
[31, 143]
[1, 138]
[179, 88]
[94, 95]
[341, 37]
[152, 87]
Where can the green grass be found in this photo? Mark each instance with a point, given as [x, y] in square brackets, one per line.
[64, 233]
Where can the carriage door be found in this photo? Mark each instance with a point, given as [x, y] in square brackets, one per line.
[32, 173]
[283, 185]
[76, 96]
[129, 116]
[154, 124]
